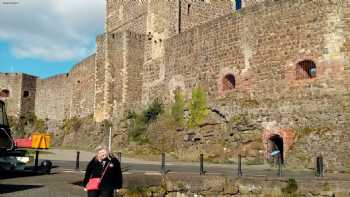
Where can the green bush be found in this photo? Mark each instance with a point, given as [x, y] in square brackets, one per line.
[291, 188]
[26, 124]
[140, 122]
[137, 130]
[153, 111]
[137, 191]
[177, 108]
[71, 125]
[198, 108]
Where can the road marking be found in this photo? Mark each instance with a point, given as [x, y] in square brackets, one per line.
[152, 173]
[73, 171]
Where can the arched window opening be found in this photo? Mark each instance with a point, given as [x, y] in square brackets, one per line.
[229, 82]
[5, 93]
[188, 9]
[306, 69]
[25, 94]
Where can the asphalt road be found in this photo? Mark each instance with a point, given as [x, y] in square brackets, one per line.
[65, 180]
[227, 170]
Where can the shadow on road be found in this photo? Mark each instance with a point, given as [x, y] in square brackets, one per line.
[16, 174]
[78, 183]
[7, 188]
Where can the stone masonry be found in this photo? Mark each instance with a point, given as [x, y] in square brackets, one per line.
[284, 62]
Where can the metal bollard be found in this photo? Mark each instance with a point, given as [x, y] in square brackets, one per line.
[119, 157]
[77, 161]
[279, 160]
[201, 167]
[36, 160]
[163, 164]
[239, 173]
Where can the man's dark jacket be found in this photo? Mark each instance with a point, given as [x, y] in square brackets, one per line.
[112, 179]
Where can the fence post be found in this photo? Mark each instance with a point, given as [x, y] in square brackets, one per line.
[77, 160]
[163, 164]
[239, 173]
[201, 167]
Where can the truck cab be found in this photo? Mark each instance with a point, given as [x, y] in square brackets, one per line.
[11, 157]
[6, 140]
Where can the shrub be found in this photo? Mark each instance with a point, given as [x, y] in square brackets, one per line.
[137, 129]
[140, 122]
[177, 109]
[198, 108]
[137, 191]
[291, 188]
[71, 125]
[26, 124]
[151, 112]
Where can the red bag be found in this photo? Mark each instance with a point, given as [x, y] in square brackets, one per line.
[94, 183]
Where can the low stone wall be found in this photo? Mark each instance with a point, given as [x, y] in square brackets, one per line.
[184, 185]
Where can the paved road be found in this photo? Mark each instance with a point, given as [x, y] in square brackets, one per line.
[65, 180]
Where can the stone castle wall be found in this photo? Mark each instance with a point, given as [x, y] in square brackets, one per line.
[82, 79]
[67, 95]
[250, 61]
[13, 83]
[53, 97]
[28, 93]
[126, 15]
[261, 48]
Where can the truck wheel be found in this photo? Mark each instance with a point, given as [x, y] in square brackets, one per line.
[46, 166]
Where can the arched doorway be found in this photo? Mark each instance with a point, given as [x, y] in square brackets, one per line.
[228, 82]
[275, 143]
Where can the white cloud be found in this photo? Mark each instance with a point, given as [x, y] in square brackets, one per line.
[53, 30]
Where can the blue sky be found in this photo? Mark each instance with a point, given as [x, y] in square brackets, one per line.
[47, 37]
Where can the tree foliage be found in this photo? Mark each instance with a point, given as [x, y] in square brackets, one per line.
[198, 108]
[177, 108]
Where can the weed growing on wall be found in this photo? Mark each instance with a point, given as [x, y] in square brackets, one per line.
[140, 121]
[71, 125]
[177, 108]
[198, 108]
[291, 188]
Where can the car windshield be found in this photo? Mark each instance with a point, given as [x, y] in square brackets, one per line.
[3, 117]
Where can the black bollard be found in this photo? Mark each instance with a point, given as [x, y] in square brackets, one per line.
[119, 156]
[77, 161]
[239, 173]
[36, 160]
[201, 167]
[279, 162]
[163, 164]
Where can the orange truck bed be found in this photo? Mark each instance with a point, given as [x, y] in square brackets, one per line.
[37, 140]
